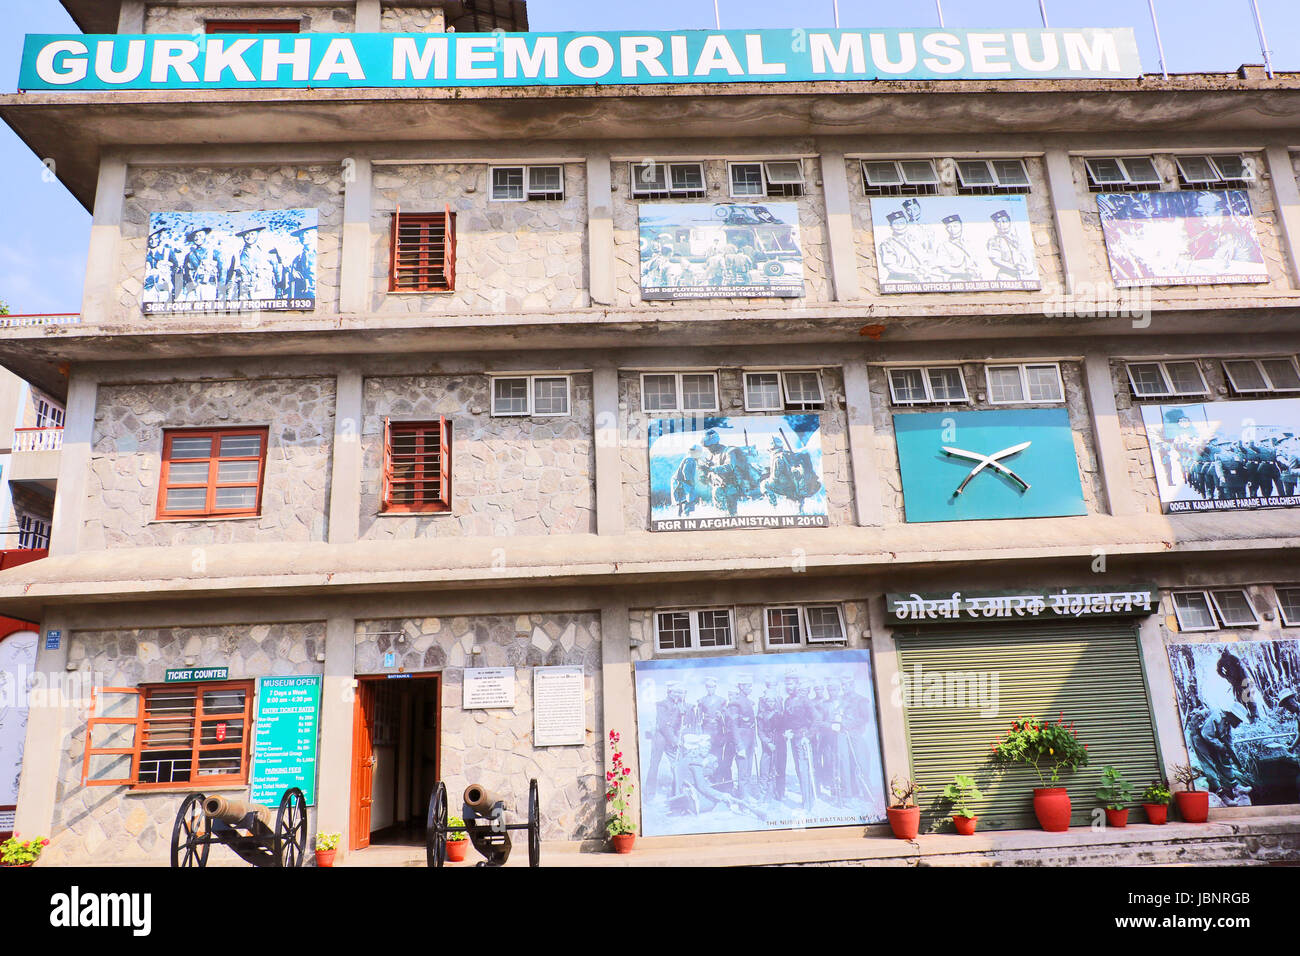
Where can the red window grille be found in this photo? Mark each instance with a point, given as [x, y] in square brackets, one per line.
[422, 252]
[417, 466]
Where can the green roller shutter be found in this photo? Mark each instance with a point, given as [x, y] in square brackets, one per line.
[1091, 673]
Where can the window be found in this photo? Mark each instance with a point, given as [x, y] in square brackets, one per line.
[782, 178]
[417, 466]
[908, 177]
[33, 532]
[1130, 174]
[693, 630]
[1262, 375]
[793, 626]
[1214, 172]
[212, 473]
[991, 177]
[1018, 384]
[170, 734]
[520, 183]
[1288, 604]
[1165, 379]
[798, 391]
[253, 26]
[923, 386]
[679, 392]
[1208, 610]
[763, 392]
[48, 414]
[667, 180]
[423, 252]
[538, 395]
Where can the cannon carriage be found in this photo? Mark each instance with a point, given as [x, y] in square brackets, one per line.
[485, 824]
[255, 833]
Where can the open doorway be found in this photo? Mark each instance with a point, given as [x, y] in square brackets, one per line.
[394, 758]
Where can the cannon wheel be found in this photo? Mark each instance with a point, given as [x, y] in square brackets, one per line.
[534, 826]
[291, 828]
[192, 835]
[435, 834]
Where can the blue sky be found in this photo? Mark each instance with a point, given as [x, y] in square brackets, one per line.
[43, 231]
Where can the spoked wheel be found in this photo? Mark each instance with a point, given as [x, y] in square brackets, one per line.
[291, 828]
[534, 825]
[435, 833]
[192, 834]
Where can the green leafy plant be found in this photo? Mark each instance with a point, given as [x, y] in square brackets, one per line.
[1043, 745]
[1157, 792]
[15, 852]
[618, 788]
[456, 836]
[960, 793]
[1187, 775]
[328, 841]
[904, 790]
[1115, 792]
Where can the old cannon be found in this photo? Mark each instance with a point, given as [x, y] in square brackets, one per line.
[485, 823]
[255, 833]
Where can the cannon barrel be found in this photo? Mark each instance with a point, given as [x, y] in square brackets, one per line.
[232, 811]
[479, 799]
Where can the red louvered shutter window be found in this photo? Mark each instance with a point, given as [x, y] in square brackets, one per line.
[422, 252]
[417, 466]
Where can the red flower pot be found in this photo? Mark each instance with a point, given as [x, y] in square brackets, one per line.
[325, 857]
[1156, 812]
[1193, 805]
[1052, 807]
[623, 842]
[1116, 818]
[456, 850]
[905, 821]
[964, 825]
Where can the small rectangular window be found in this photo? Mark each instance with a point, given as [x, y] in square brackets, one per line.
[667, 180]
[921, 386]
[991, 176]
[1006, 387]
[907, 386]
[779, 178]
[1288, 603]
[975, 173]
[783, 627]
[659, 393]
[908, 177]
[803, 390]
[508, 184]
[946, 384]
[537, 395]
[693, 630]
[417, 466]
[763, 392]
[1234, 607]
[882, 174]
[825, 624]
[1213, 172]
[510, 396]
[422, 256]
[1196, 170]
[1192, 609]
[1129, 174]
[747, 180]
[520, 183]
[795, 626]
[699, 392]
[1165, 379]
[679, 392]
[1019, 384]
[33, 532]
[1276, 374]
[550, 396]
[1044, 383]
[674, 631]
[211, 473]
[1234, 168]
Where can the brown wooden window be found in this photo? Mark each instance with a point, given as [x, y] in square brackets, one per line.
[422, 255]
[210, 473]
[253, 26]
[169, 734]
[417, 466]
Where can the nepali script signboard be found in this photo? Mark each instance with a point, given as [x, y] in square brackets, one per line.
[285, 757]
[957, 607]
[360, 60]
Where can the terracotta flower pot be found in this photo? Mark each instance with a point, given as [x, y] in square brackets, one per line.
[905, 821]
[1116, 818]
[1157, 813]
[964, 825]
[1193, 805]
[456, 850]
[325, 857]
[1052, 807]
[623, 842]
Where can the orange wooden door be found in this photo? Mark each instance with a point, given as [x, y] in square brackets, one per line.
[363, 764]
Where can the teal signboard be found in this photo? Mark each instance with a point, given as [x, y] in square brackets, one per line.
[288, 710]
[1004, 463]
[356, 60]
[184, 675]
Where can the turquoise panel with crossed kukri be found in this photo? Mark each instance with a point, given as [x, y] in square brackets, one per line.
[931, 476]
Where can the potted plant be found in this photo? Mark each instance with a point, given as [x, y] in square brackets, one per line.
[1155, 801]
[904, 815]
[457, 840]
[1193, 804]
[15, 852]
[618, 787]
[327, 845]
[1115, 794]
[1044, 745]
[960, 793]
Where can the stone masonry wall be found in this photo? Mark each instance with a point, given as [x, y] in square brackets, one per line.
[812, 238]
[122, 490]
[494, 747]
[886, 451]
[159, 18]
[156, 189]
[634, 425]
[510, 256]
[510, 475]
[1046, 250]
[412, 19]
[98, 825]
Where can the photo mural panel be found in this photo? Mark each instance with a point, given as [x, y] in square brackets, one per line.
[760, 742]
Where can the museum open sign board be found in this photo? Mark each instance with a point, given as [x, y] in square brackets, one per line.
[288, 709]
[358, 60]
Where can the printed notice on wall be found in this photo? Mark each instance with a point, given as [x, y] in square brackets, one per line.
[287, 709]
[559, 707]
[488, 687]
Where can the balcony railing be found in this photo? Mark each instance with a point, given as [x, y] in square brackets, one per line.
[38, 439]
[53, 318]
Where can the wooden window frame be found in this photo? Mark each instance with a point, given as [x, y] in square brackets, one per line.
[252, 26]
[138, 751]
[443, 502]
[210, 509]
[424, 265]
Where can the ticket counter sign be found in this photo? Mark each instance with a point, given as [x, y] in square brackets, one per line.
[187, 675]
[288, 715]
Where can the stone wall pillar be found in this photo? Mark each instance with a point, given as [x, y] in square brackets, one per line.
[893, 719]
[1287, 198]
[345, 482]
[839, 226]
[600, 230]
[609, 464]
[334, 777]
[354, 268]
[74, 465]
[130, 19]
[1076, 266]
[1164, 702]
[368, 17]
[1111, 460]
[618, 696]
[862, 444]
[43, 749]
[102, 261]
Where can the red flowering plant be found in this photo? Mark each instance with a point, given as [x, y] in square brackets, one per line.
[15, 852]
[618, 789]
[1043, 745]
